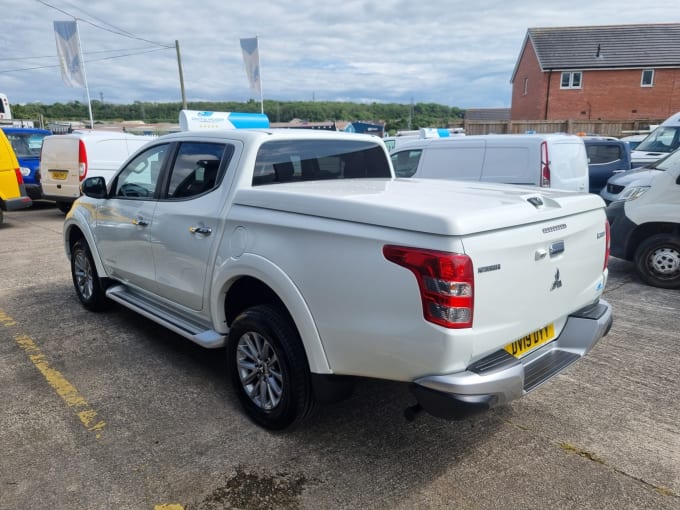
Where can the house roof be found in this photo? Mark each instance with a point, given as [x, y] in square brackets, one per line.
[487, 114]
[606, 46]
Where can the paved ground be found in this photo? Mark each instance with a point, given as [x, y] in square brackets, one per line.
[110, 411]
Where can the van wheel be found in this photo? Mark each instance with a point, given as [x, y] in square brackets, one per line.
[64, 207]
[657, 261]
[89, 287]
[269, 368]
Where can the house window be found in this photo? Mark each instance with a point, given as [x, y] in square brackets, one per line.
[571, 80]
[526, 86]
[647, 79]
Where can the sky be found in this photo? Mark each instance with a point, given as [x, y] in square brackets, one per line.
[453, 52]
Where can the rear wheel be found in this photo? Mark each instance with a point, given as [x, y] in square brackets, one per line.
[89, 287]
[64, 207]
[657, 261]
[269, 368]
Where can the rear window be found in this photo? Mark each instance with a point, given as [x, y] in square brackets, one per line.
[599, 154]
[313, 160]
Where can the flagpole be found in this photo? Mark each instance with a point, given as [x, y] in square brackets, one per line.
[260, 66]
[87, 89]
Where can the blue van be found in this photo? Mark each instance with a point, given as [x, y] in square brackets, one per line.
[27, 143]
[606, 157]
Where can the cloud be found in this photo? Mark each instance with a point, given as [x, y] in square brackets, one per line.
[454, 52]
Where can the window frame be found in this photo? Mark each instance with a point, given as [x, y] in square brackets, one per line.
[651, 79]
[572, 75]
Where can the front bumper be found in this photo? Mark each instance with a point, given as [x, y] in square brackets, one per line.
[500, 378]
[621, 230]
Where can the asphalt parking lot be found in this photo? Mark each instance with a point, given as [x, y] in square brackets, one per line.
[110, 411]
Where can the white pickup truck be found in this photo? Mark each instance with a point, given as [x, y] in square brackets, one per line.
[301, 253]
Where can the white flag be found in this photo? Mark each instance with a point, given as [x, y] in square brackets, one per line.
[68, 51]
[251, 59]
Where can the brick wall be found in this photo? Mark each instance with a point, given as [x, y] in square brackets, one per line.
[616, 95]
[532, 105]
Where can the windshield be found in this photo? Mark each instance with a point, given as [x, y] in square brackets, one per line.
[26, 145]
[668, 163]
[662, 139]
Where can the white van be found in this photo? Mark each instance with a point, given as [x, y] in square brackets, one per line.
[659, 143]
[5, 110]
[66, 160]
[645, 223]
[547, 160]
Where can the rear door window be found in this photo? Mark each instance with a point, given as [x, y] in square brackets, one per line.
[196, 168]
[313, 160]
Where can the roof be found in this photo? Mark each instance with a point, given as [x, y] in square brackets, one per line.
[487, 114]
[606, 46]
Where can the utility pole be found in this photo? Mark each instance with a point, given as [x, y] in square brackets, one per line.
[181, 76]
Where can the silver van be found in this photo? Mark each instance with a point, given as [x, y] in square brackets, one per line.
[659, 143]
[548, 160]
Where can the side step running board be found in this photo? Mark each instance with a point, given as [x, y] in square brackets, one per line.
[193, 331]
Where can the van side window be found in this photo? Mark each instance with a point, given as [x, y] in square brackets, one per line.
[405, 163]
[196, 168]
[139, 179]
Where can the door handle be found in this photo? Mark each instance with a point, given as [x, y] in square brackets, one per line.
[201, 230]
[140, 222]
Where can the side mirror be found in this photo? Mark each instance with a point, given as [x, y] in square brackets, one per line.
[94, 187]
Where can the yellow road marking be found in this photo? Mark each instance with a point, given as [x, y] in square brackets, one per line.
[168, 506]
[68, 393]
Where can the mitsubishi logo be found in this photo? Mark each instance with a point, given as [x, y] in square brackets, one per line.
[557, 283]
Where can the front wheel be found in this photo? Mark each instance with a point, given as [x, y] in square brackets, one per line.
[657, 261]
[269, 368]
[89, 287]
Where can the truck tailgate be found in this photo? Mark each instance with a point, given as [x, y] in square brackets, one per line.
[532, 276]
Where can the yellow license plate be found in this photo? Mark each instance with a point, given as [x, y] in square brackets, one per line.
[60, 175]
[528, 343]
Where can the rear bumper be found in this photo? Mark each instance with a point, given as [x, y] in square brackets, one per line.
[14, 204]
[500, 378]
[59, 198]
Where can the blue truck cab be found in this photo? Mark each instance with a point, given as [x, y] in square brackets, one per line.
[27, 144]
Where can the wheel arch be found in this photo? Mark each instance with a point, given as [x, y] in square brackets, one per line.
[74, 233]
[647, 230]
[251, 280]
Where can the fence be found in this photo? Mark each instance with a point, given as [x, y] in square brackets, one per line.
[616, 128]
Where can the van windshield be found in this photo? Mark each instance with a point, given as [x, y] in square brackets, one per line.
[668, 162]
[662, 139]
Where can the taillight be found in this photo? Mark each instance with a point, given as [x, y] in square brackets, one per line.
[82, 160]
[608, 242]
[446, 282]
[20, 178]
[545, 166]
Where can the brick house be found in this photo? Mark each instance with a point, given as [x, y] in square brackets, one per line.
[622, 72]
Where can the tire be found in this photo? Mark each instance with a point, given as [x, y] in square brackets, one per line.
[657, 261]
[269, 368]
[64, 207]
[89, 287]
